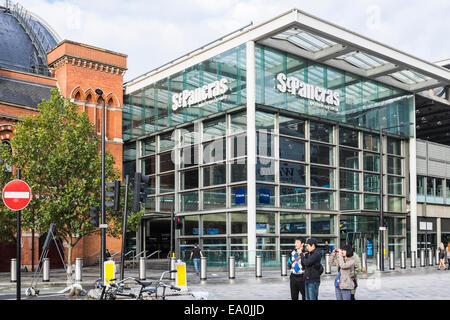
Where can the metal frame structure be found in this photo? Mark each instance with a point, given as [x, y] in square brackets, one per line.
[307, 36]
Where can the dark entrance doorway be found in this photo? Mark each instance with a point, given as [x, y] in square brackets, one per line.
[157, 237]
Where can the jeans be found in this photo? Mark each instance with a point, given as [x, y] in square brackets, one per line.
[312, 290]
[197, 264]
[343, 294]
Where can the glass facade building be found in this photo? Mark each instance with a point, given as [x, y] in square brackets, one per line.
[257, 145]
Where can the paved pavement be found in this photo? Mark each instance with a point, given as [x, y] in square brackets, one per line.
[424, 283]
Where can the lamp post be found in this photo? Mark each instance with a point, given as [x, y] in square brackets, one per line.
[102, 229]
[382, 228]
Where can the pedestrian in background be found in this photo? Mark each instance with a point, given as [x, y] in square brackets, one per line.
[297, 279]
[442, 257]
[313, 269]
[345, 262]
[327, 247]
[448, 256]
[196, 254]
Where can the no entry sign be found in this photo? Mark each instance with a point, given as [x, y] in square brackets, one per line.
[16, 195]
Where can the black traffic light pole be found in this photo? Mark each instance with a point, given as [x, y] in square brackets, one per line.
[102, 230]
[124, 228]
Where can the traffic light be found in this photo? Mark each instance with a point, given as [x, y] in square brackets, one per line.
[114, 194]
[94, 216]
[139, 195]
[178, 223]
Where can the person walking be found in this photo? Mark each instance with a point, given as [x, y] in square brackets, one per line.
[297, 279]
[313, 269]
[196, 254]
[442, 258]
[345, 262]
[448, 256]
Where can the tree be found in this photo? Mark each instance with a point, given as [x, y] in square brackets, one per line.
[58, 153]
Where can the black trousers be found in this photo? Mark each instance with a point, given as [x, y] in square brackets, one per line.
[297, 283]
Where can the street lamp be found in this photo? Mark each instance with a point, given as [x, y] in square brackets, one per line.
[382, 226]
[102, 229]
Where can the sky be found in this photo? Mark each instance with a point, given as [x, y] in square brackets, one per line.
[153, 33]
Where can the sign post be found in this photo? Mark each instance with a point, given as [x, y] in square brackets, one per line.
[16, 196]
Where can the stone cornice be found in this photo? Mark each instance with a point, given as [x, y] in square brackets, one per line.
[86, 63]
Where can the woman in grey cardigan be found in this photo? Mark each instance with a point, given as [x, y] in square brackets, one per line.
[344, 284]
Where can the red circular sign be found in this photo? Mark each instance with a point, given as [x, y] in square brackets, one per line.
[16, 195]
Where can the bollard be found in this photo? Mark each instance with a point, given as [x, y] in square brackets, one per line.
[142, 271]
[430, 256]
[78, 270]
[13, 270]
[327, 264]
[378, 261]
[422, 257]
[403, 260]
[283, 265]
[437, 257]
[231, 267]
[46, 270]
[203, 268]
[364, 262]
[413, 259]
[391, 260]
[172, 267]
[258, 267]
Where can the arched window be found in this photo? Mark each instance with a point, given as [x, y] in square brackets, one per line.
[78, 96]
[89, 98]
[110, 102]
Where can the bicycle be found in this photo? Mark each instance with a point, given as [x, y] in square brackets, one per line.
[154, 290]
[115, 288]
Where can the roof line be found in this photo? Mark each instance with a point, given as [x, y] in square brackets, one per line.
[191, 52]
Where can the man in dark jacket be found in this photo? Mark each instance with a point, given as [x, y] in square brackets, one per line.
[313, 269]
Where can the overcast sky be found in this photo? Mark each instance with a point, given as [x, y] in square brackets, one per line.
[152, 33]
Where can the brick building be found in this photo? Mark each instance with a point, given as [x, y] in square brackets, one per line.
[34, 60]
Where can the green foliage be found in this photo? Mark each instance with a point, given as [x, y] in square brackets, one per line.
[58, 153]
[7, 217]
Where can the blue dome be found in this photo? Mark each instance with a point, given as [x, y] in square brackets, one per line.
[24, 40]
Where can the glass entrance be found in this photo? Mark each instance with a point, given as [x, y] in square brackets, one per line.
[157, 237]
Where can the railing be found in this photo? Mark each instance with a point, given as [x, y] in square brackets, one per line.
[151, 254]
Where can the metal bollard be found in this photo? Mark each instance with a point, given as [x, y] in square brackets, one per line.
[258, 267]
[391, 260]
[203, 268]
[437, 257]
[231, 267]
[78, 269]
[422, 257]
[378, 261]
[46, 270]
[142, 271]
[403, 260]
[173, 262]
[13, 270]
[327, 264]
[364, 262]
[430, 256]
[283, 265]
[413, 259]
